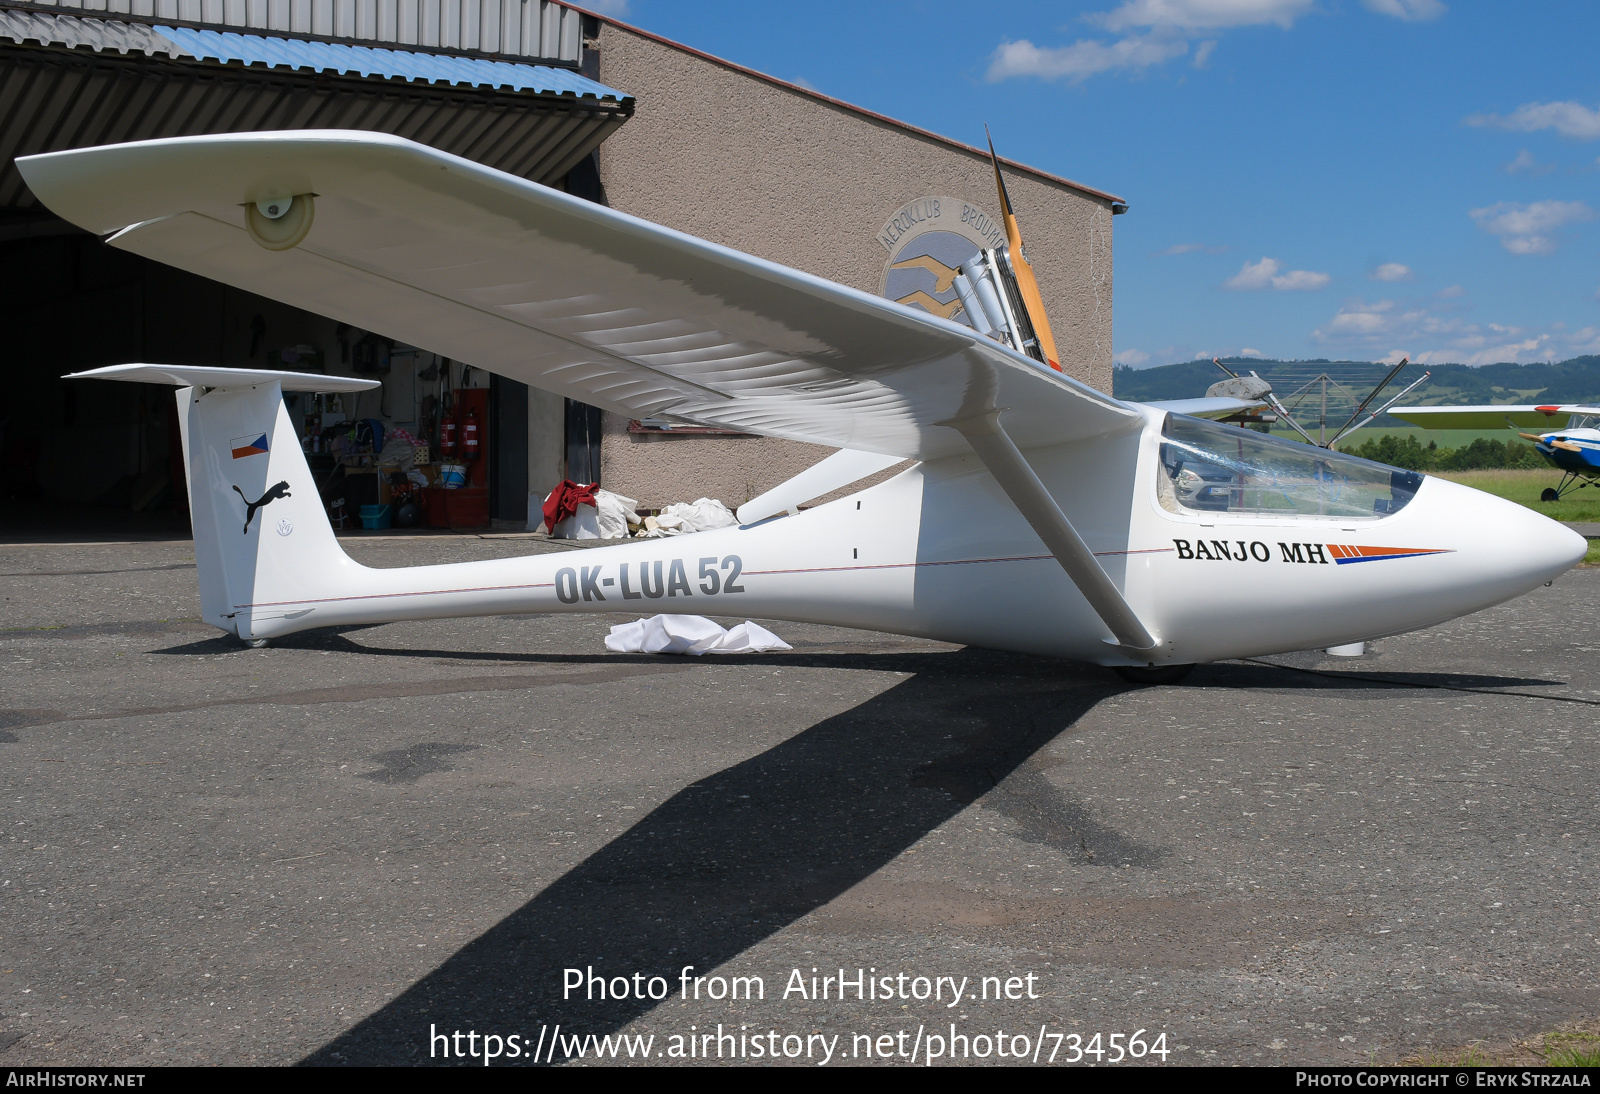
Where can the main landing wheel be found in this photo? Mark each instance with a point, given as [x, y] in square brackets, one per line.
[1145, 675]
[1549, 494]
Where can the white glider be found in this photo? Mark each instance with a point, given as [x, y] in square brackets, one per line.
[1042, 516]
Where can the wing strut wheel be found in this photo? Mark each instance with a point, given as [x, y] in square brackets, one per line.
[1017, 478]
[1146, 675]
[279, 224]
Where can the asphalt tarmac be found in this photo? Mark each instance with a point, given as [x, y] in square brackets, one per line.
[327, 850]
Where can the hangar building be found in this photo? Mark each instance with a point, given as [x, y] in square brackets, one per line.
[541, 89]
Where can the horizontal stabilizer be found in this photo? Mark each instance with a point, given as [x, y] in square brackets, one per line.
[224, 379]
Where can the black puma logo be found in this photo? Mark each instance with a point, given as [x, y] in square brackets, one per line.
[279, 491]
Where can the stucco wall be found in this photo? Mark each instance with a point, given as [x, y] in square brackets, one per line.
[780, 174]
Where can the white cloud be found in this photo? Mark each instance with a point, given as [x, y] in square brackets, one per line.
[1393, 357]
[1153, 32]
[1450, 292]
[801, 81]
[1082, 59]
[1412, 330]
[1300, 281]
[1248, 352]
[1265, 275]
[1359, 320]
[1526, 164]
[1133, 358]
[1412, 11]
[1391, 271]
[1524, 229]
[1253, 275]
[1201, 14]
[1570, 119]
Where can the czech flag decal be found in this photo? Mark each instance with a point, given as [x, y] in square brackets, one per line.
[249, 446]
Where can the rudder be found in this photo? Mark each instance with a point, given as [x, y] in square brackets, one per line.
[263, 544]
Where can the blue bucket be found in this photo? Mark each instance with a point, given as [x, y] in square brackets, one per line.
[452, 476]
[375, 516]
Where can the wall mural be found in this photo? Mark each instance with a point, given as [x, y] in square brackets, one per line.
[928, 239]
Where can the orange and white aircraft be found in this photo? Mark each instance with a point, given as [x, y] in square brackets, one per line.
[1039, 515]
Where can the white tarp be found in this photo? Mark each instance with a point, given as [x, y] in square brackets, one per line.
[615, 514]
[609, 519]
[690, 634]
[681, 517]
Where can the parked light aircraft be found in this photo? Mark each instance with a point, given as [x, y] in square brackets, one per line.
[1040, 515]
[1568, 437]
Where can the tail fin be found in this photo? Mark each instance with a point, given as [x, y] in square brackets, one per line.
[261, 536]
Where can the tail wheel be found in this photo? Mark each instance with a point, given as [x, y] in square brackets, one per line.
[1146, 675]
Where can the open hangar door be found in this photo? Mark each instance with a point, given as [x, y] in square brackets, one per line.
[106, 458]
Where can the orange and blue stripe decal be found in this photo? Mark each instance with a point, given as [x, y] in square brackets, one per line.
[1345, 554]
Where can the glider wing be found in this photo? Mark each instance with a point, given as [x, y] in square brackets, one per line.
[542, 287]
[1491, 417]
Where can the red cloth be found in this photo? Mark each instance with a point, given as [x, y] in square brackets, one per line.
[564, 501]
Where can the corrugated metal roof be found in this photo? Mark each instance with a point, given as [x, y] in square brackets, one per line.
[74, 82]
[541, 29]
[48, 30]
[430, 68]
[293, 53]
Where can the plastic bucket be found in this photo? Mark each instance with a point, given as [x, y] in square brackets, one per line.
[452, 476]
[375, 516]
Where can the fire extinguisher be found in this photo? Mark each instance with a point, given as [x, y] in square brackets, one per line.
[469, 437]
[447, 435]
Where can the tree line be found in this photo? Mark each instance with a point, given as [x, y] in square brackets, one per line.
[1482, 454]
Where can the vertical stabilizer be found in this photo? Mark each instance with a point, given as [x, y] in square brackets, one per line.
[263, 544]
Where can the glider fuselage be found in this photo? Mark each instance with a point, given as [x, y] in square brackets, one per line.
[937, 551]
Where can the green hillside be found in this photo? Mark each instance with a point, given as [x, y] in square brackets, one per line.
[1576, 380]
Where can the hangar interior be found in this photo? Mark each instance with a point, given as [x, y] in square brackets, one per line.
[502, 84]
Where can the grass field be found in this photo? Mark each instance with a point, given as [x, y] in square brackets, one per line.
[1523, 487]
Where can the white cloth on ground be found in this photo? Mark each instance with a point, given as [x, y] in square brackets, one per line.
[690, 634]
[608, 519]
[680, 518]
[615, 514]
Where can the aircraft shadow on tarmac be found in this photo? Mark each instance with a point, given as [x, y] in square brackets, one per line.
[736, 857]
[732, 859]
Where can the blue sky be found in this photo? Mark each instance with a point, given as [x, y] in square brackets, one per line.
[1307, 178]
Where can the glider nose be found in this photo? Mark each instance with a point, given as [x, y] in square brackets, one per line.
[1499, 549]
[1541, 548]
[1566, 548]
